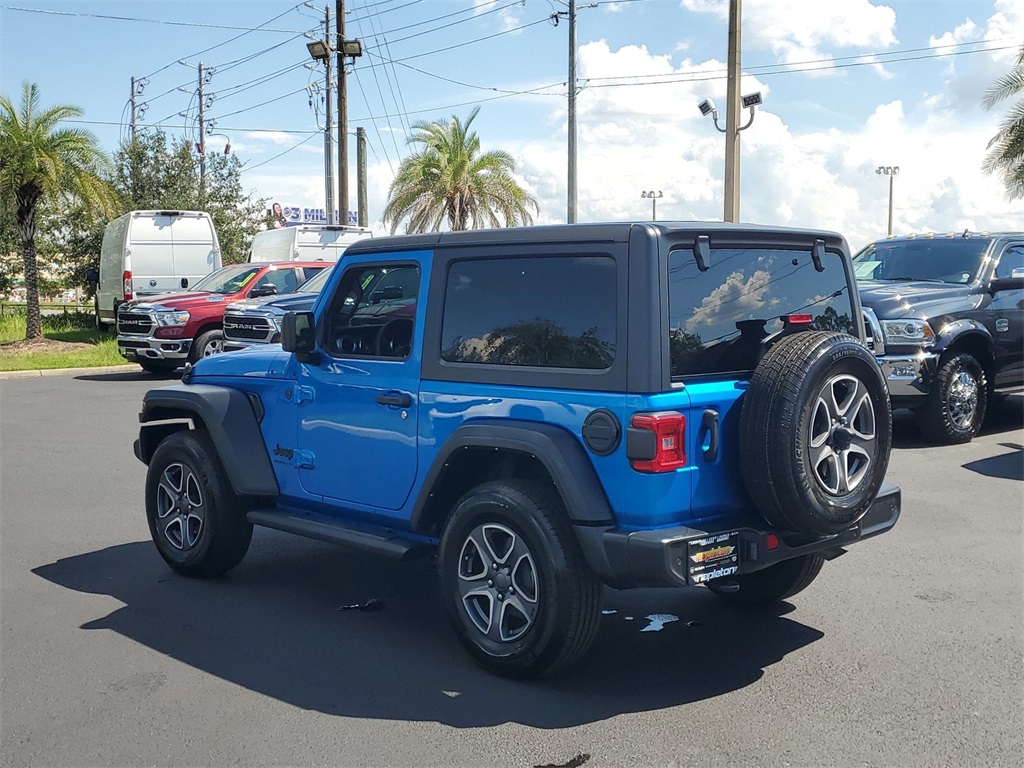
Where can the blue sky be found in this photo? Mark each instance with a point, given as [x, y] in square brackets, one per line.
[848, 85]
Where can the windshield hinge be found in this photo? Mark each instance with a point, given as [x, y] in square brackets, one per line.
[304, 394]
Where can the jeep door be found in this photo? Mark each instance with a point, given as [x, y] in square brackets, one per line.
[356, 404]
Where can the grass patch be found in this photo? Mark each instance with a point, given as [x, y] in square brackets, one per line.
[98, 348]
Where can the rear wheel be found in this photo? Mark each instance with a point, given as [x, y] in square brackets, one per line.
[157, 369]
[513, 580]
[770, 585]
[954, 409]
[196, 520]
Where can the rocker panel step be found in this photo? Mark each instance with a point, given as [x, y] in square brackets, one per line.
[334, 532]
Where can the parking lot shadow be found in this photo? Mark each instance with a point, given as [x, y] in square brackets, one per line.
[132, 373]
[1009, 466]
[272, 626]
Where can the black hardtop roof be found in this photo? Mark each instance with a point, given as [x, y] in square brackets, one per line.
[590, 232]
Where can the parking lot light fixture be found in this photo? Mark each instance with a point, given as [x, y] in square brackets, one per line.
[654, 201]
[891, 171]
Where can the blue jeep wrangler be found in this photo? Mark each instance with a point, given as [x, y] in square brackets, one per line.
[549, 409]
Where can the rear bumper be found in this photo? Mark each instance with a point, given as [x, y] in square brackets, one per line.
[659, 557]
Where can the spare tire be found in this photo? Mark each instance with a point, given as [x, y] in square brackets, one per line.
[816, 430]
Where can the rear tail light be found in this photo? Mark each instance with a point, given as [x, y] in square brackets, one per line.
[126, 279]
[656, 442]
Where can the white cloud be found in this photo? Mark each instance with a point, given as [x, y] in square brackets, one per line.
[742, 296]
[804, 30]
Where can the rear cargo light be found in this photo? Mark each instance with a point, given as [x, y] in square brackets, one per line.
[656, 442]
[126, 279]
[799, 319]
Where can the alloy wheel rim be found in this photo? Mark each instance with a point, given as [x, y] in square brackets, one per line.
[213, 347]
[180, 511]
[498, 583]
[963, 399]
[842, 435]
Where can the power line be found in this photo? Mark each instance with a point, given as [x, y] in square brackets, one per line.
[264, 103]
[151, 21]
[280, 154]
[492, 88]
[226, 128]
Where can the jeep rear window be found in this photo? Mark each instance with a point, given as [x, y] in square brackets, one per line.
[718, 318]
[556, 312]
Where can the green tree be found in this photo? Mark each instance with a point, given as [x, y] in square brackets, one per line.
[42, 163]
[1006, 149]
[449, 178]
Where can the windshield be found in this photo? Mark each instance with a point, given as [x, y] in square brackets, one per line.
[941, 261]
[316, 283]
[228, 280]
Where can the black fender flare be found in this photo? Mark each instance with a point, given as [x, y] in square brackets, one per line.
[562, 454]
[229, 417]
[956, 330]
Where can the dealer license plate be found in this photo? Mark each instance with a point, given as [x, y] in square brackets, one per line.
[713, 557]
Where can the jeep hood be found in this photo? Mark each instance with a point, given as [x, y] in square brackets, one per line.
[916, 299]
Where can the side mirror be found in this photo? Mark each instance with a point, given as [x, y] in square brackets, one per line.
[184, 282]
[263, 290]
[297, 335]
[92, 275]
[1006, 284]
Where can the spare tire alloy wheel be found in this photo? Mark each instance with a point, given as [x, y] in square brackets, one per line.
[842, 435]
[816, 431]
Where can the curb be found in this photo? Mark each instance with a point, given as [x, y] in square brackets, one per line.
[63, 371]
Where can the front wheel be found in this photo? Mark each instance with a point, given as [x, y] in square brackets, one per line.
[197, 522]
[774, 583]
[513, 580]
[208, 344]
[955, 407]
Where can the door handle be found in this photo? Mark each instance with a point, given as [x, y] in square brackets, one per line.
[396, 399]
[709, 425]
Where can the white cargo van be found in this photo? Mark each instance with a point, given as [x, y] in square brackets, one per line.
[305, 242]
[149, 252]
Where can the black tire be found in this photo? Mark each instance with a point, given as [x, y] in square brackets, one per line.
[815, 433]
[197, 522]
[96, 308]
[157, 369]
[209, 343]
[506, 520]
[955, 406]
[772, 584]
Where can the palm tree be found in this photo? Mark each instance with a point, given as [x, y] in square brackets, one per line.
[1006, 149]
[447, 177]
[40, 165]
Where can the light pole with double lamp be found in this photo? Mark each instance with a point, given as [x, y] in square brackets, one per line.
[654, 202]
[891, 171]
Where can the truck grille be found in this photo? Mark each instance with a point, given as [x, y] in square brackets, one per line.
[135, 324]
[873, 332]
[245, 328]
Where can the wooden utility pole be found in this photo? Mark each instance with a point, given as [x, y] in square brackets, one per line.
[202, 135]
[342, 115]
[361, 176]
[571, 213]
[134, 108]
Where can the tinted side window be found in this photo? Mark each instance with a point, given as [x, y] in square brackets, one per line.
[1012, 258]
[373, 312]
[719, 317]
[556, 312]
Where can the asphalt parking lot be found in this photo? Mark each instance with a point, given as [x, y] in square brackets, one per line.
[908, 650]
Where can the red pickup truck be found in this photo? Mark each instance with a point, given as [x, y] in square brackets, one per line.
[163, 332]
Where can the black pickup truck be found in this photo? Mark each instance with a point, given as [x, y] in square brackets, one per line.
[944, 315]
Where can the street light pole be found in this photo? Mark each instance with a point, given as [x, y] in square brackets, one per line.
[891, 171]
[732, 113]
[571, 213]
[654, 202]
